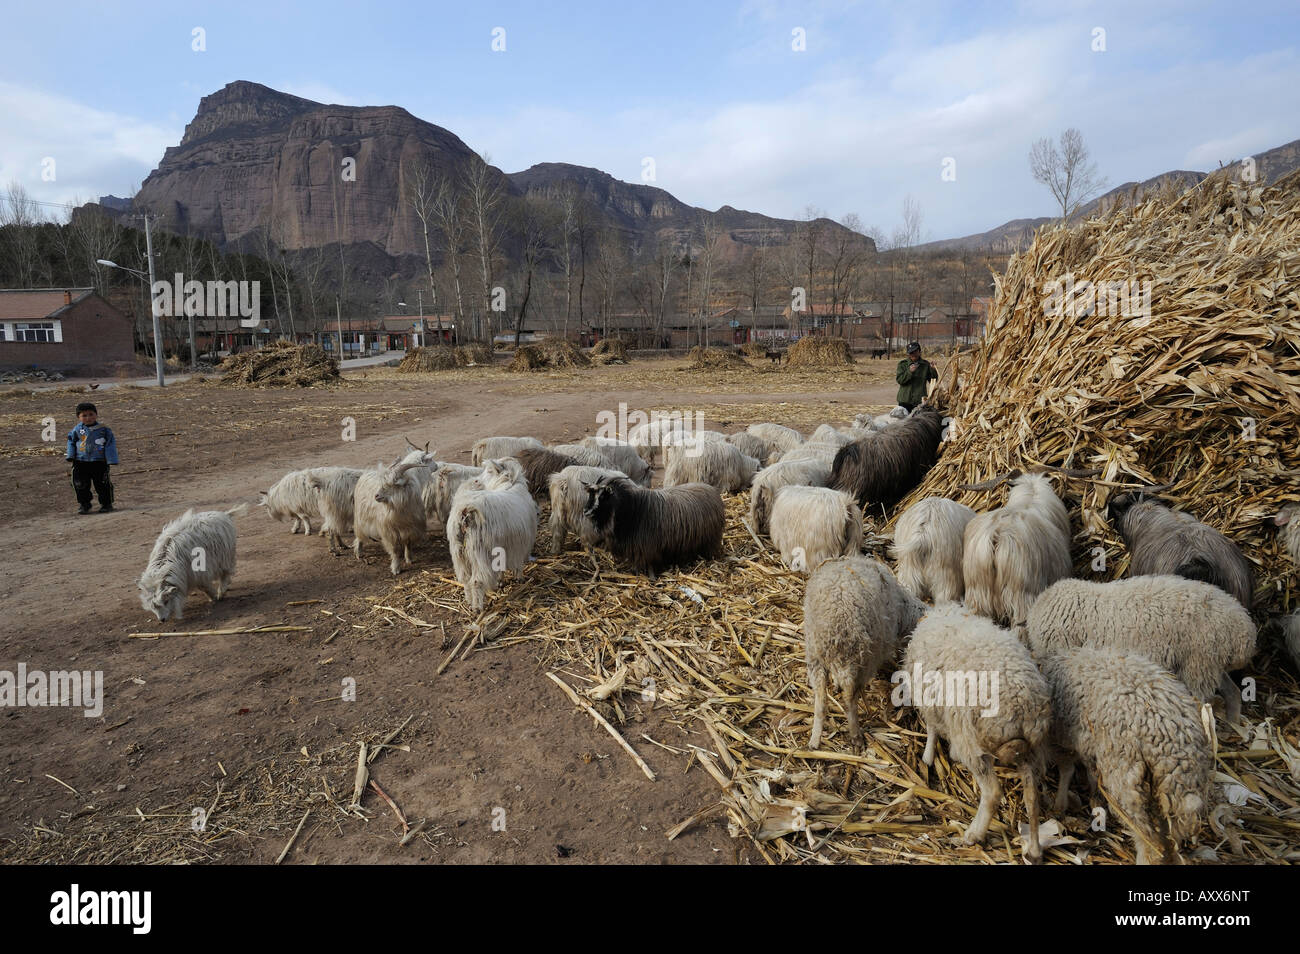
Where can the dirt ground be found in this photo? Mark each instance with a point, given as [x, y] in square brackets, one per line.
[252, 729]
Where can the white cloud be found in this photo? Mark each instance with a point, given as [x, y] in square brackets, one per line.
[95, 152]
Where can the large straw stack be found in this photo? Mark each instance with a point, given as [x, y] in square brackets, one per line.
[1203, 393]
[281, 364]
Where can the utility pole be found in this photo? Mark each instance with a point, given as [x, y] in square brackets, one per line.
[153, 306]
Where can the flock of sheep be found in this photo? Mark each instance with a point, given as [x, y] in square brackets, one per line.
[1111, 674]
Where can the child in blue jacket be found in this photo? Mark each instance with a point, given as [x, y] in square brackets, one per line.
[91, 449]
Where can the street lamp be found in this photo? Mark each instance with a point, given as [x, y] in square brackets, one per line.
[153, 306]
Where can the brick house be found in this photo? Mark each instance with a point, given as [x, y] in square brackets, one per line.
[70, 330]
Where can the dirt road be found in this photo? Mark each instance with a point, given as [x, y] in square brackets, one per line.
[249, 728]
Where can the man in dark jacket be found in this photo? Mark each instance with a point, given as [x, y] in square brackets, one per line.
[913, 374]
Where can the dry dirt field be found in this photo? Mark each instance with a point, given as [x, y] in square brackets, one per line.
[252, 728]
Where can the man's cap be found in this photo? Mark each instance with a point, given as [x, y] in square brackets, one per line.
[914, 346]
[86, 406]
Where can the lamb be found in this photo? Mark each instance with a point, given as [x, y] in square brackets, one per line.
[1161, 540]
[709, 462]
[828, 434]
[884, 468]
[782, 438]
[491, 528]
[1288, 518]
[388, 508]
[810, 525]
[446, 480]
[928, 548]
[292, 496]
[878, 422]
[653, 529]
[196, 551]
[490, 447]
[950, 652]
[1140, 732]
[1193, 629]
[855, 616]
[335, 490]
[811, 472]
[621, 456]
[568, 491]
[539, 465]
[1012, 554]
[751, 445]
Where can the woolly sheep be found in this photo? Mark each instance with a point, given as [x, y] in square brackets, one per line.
[1194, 629]
[1139, 731]
[335, 490]
[708, 462]
[491, 528]
[621, 456]
[1161, 540]
[653, 529]
[568, 493]
[812, 450]
[490, 447]
[782, 438]
[855, 616]
[883, 468]
[388, 508]
[1012, 554]
[810, 525]
[928, 547]
[1014, 729]
[812, 472]
[196, 551]
[878, 422]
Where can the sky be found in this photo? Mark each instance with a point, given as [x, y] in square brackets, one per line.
[771, 107]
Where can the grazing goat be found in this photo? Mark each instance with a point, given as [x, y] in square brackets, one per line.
[653, 529]
[196, 551]
[884, 468]
[539, 465]
[781, 438]
[928, 547]
[292, 496]
[810, 525]
[568, 491]
[708, 462]
[491, 529]
[621, 456]
[446, 480]
[806, 472]
[1161, 541]
[1012, 554]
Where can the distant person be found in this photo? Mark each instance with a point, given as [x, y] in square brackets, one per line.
[914, 372]
[91, 450]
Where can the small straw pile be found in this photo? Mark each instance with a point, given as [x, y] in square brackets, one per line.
[609, 351]
[472, 354]
[754, 349]
[435, 358]
[550, 354]
[1203, 393]
[715, 359]
[280, 364]
[816, 352]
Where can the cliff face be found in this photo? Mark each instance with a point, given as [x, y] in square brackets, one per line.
[255, 158]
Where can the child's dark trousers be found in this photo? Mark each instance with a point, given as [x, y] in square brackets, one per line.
[87, 472]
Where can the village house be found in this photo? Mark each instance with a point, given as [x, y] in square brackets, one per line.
[70, 330]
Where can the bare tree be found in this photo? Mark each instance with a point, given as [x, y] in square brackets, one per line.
[18, 224]
[420, 185]
[847, 251]
[710, 236]
[756, 270]
[485, 198]
[1066, 171]
[535, 223]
